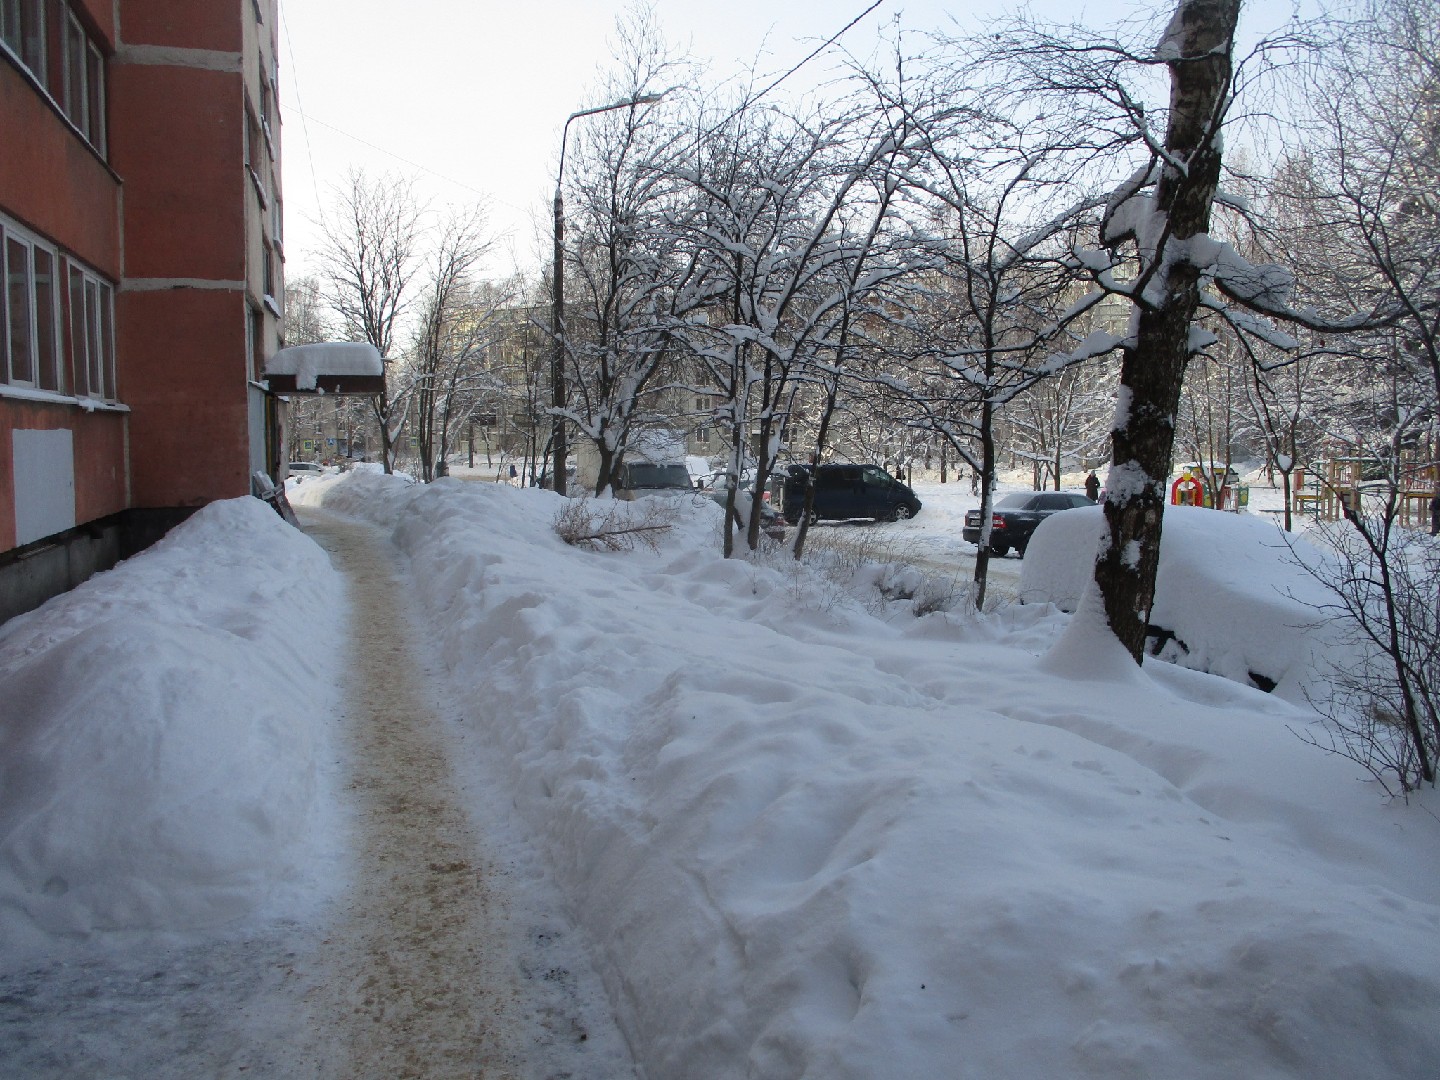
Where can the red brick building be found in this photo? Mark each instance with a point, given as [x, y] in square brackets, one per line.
[140, 238]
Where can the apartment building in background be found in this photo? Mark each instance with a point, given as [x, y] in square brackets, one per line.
[142, 252]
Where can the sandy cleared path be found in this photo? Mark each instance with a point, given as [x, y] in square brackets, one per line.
[419, 976]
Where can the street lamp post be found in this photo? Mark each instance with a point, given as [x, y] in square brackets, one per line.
[559, 451]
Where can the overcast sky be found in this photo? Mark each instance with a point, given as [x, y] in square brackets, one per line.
[470, 98]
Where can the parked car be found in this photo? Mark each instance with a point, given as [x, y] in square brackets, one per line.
[771, 523]
[650, 478]
[305, 470]
[849, 491]
[1234, 596]
[1015, 516]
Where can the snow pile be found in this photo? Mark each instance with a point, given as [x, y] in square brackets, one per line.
[164, 725]
[807, 841]
[1232, 591]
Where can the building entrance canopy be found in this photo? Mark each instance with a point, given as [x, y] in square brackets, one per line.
[330, 367]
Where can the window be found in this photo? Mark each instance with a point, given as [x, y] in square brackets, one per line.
[846, 477]
[84, 83]
[256, 335]
[267, 254]
[29, 312]
[92, 334]
[22, 28]
[255, 156]
[264, 97]
[47, 366]
[19, 293]
[94, 126]
[878, 477]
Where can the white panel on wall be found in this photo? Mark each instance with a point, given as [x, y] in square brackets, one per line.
[44, 483]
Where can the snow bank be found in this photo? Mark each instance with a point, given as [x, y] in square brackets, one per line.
[811, 843]
[164, 727]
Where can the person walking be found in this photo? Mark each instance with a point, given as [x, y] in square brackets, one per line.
[1092, 487]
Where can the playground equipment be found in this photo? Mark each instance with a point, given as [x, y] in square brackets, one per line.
[1191, 489]
[1188, 490]
[1344, 481]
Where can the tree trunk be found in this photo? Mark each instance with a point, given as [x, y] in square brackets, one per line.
[1153, 371]
[987, 499]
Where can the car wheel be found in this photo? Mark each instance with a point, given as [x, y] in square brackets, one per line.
[901, 513]
[999, 550]
[1020, 550]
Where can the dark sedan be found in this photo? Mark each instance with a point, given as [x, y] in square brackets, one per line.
[1015, 517]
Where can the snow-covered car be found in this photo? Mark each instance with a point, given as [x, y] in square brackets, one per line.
[1015, 517]
[1232, 594]
[305, 470]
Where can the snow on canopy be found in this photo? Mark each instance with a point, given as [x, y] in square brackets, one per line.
[311, 362]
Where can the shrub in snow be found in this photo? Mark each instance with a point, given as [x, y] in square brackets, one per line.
[616, 526]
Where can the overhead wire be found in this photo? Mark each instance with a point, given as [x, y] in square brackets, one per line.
[306, 118]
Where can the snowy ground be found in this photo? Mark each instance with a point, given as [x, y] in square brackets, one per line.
[232, 841]
[802, 831]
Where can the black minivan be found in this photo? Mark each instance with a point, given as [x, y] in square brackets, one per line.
[849, 491]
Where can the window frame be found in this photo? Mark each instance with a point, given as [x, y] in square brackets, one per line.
[82, 82]
[92, 333]
[44, 362]
[29, 49]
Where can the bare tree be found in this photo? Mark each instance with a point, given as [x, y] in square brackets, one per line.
[305, 324]
[629, 279]
[445, 376]
[1212, 422]
[1065, 417]
[1158, 255]
[994, 200]
[789, 217]
[1197, 48]
[1383, 706]
[368, 260]
[1363, 223]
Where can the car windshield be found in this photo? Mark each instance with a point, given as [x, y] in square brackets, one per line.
[1015, 502]
[643, 474]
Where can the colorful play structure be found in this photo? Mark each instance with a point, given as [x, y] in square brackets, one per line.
[1191, 489]
[1333, 485]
